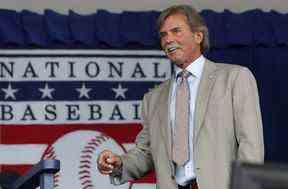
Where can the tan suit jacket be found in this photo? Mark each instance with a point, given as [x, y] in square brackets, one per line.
[227, 127]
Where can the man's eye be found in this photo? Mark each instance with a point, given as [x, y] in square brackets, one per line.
[162, 35]
[176, 30]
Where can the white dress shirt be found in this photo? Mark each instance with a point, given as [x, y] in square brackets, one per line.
[186, 172]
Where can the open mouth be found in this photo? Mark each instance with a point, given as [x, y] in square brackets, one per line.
[172, 48]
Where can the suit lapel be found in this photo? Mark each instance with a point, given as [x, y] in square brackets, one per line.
[164, 116]
[205, 87]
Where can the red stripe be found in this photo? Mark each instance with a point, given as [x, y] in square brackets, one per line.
[47, 134]
[149, 178]
[21, 169]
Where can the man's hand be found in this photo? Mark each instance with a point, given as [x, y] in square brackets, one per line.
[108, 162]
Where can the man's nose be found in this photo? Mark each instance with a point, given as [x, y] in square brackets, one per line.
[169, 39]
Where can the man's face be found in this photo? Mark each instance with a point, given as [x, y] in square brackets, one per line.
[181, 45]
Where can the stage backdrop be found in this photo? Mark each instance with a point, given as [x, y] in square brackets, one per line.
[72, 104]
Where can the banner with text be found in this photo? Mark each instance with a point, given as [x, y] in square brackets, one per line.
[72, 104]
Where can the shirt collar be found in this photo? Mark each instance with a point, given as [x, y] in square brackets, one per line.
[195, 68]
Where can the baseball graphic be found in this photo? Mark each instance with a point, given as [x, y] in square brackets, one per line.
[78, 152]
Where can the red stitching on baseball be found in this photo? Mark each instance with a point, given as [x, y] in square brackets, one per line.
[85, 176]
[86, 156]
[90, 148]
[85, 166]
[48, 151]
[86, 182]
[93, 143]
[84, 171]
[87, 151]
[88, 187]
[85, 161]
[50, 154]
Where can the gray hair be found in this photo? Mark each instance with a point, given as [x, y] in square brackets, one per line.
[194, 20]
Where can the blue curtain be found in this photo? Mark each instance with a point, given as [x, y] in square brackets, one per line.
[256, 39]
[103, 29]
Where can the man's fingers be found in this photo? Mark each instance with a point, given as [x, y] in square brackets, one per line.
[112, 159]
[104, 169]
[102, 159]
[106, 162]
[105, 172]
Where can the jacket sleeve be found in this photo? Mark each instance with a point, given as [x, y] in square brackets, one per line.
[137, 161]
[247, 118]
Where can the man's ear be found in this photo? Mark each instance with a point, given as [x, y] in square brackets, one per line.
[198, 36]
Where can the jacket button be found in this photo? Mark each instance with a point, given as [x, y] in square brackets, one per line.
[172, 177]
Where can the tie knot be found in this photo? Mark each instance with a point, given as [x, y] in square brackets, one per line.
[183, 75]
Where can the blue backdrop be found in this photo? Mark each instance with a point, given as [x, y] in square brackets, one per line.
[256, 39]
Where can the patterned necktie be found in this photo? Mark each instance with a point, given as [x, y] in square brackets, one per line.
[181, 131]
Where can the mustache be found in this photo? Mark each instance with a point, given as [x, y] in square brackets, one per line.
[171, 46]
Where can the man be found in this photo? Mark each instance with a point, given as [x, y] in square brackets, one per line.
[223, 117]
